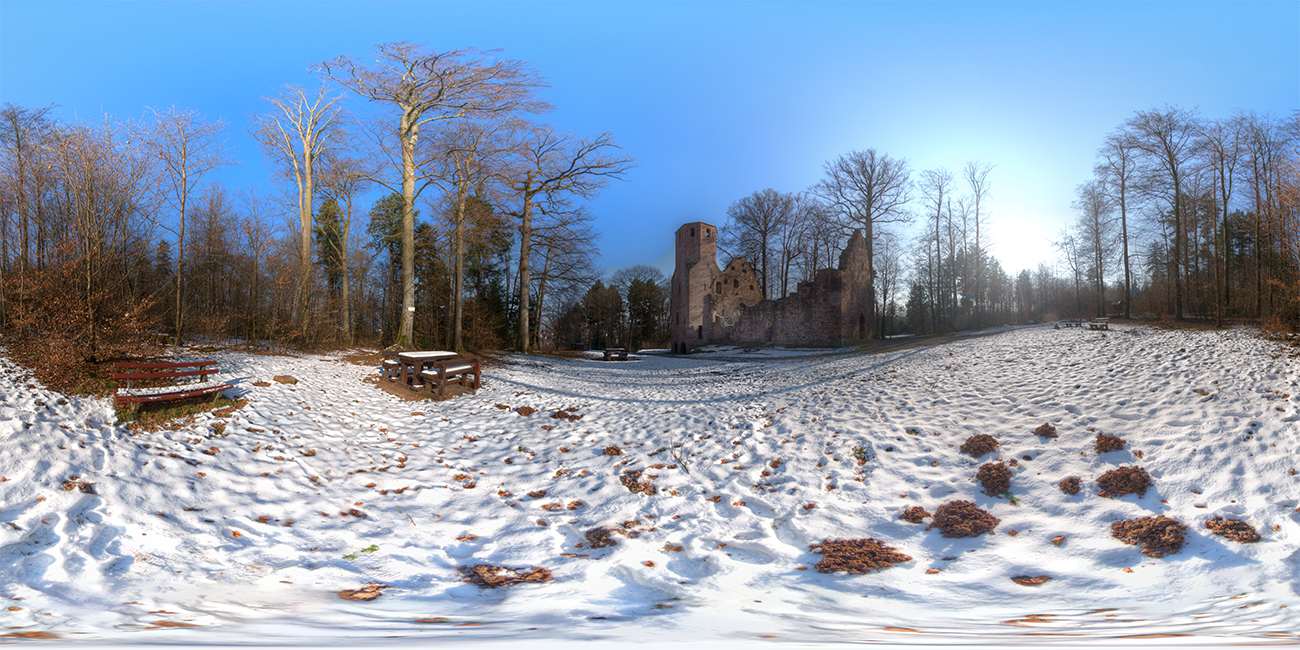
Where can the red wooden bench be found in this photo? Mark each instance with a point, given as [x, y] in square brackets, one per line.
[458, 370]
[171, 390]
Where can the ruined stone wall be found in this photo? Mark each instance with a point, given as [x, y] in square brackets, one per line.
[856, 309]
[709, 305]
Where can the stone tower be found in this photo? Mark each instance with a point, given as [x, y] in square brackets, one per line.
[697, 266]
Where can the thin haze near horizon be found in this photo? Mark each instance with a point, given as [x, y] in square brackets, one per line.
[714, 100]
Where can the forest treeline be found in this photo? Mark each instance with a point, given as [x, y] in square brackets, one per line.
[1184, 217]
[116, 234]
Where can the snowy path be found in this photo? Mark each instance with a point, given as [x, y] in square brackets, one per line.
[239, 525]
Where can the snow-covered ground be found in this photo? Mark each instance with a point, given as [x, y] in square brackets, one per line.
[236, 529]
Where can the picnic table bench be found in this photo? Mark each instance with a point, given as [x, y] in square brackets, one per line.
[172, 389]
[1072, 322]
[1099, 324]
[459, 370]
[616, 354]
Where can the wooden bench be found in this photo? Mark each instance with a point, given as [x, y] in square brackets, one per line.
[1072, 322]
[459, 370]
[616, 354]
[1099, 324]
[172, 389]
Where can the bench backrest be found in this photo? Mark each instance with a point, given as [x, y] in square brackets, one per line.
[157, 370]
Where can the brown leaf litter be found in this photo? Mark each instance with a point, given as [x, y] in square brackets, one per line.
[485, 575]
[1234, 529]
[1069, 485]
[995, 477]
[1158, 535]
[368, 592]
[1046, 430]
[963, 519]
[914, 514]
[1030, 581]
[632, 481]
[978, 445]
[1105, 443]
[1124, 480]
[856, 555]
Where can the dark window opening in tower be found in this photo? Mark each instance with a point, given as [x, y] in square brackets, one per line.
[692, 232]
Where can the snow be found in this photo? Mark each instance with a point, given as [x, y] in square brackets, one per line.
[249, 543]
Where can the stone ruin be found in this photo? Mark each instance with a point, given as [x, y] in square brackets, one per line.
[726, 306]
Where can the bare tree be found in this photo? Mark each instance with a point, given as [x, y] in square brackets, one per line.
[1095, 229]
[1165, 139]
[550, 169]
[428, 87]
[188, 146]
[295, 135]
[866, 188]
[1222, 142]
[753, 228]
[977, 176]
[936, 187]
[342, 179]
[1117, 169]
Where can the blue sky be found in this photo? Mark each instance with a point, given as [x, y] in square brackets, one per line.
[715, 100]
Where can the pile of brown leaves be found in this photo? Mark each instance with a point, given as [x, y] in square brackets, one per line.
[1234, 529]
[995, 477]
[1105, 443]
[963, 519]
[485, 575]
[1159, 535]
[979, 445]
[856, 555]
[1125, 480]
[914, 514]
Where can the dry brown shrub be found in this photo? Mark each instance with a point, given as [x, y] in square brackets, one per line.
[963, 519]
[1069, 485]
[978, 445]
[856, 555]
[1105, 443]
[995, 477]
[1125, 480]
[914, 515]
[1158, 536]
[485, 575]
[1234, 529]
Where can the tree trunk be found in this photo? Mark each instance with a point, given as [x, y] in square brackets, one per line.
[408, 132]
[458, 292]
[525, 251]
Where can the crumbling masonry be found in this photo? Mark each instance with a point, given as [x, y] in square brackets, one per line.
[725, 306]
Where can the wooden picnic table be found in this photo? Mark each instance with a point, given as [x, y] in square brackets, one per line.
[413, 363]
[616, 354]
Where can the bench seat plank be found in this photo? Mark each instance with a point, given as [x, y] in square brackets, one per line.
[175, 392]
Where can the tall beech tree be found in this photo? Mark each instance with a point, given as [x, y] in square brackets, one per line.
[1165, 140]
[296, 134]
[423, 88]
[866, 188]
[188, 146]
[551, 169]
